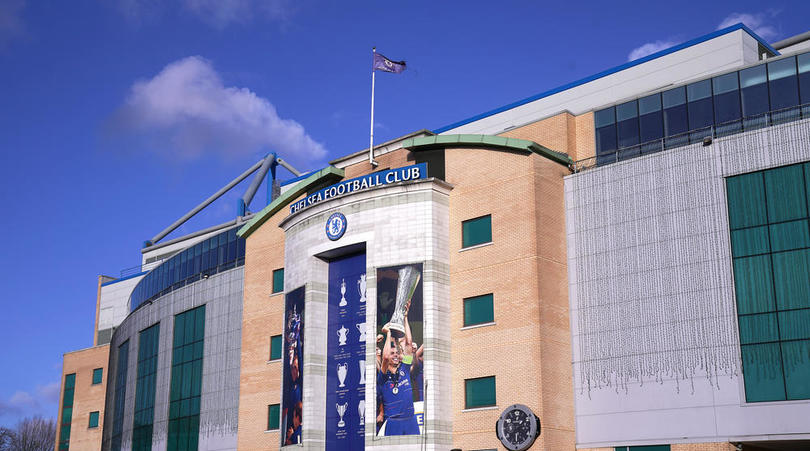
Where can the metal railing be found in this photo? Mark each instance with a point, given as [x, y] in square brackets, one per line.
[745, 124]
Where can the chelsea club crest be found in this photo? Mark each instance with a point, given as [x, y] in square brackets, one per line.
[335, 226]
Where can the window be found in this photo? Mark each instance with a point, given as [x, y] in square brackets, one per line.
[478, 310]
[700, 108]
[605, 122]
[120, 394]
[93, 423]
[651, 122]
[627, 128]
[479, 392]
[754, 94]
[727, 109]
[186, 380]
[146, 378]
[278, 280]
[675, 119]
[476, 231]
[275, 347]
[783, 85]
[803, 63]
[272, 417]
[770, 246]
[67, 411]
[97, 375]
[643, 448]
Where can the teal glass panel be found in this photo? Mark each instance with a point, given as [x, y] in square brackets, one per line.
[186, 380]
[796, 355]
[791, 276]
[478, 310]
[479, 392]
[120, 393]
[98, 373]
[762, 370]
[272, 417]
[476, 231]
[746, 201]
[754, 284]
[146, 378]
[278, 280]
[786, 236]
[93, 423]
[760, 328]
[794, 324]
[275, 347]
[785, 193]
[67, 411]
[751, 241]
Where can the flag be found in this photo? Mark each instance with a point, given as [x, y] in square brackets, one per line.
[386, 65]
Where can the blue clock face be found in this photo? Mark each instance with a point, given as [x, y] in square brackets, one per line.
[335, 226]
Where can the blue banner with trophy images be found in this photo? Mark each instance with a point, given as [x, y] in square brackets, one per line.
[346, 353]
[293, 376]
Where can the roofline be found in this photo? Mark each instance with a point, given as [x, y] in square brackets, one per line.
[365, 151]
[613, 70]
[792, 40]
[487, 141]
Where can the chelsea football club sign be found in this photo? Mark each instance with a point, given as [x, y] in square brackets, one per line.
[396, 175]
[335, 226]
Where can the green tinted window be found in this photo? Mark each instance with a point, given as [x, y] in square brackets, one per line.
[479, 392]
[93, 420]
[476, 231]
[186, 380]
[770, 241]
[98, 373]
[120, 393]
[478, 310]
[272, 417]
[142, 426]
[67, 411]
[278, 280]
[275, 347]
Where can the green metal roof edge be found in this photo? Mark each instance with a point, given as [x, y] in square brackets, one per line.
[489, 141]
[285, 198]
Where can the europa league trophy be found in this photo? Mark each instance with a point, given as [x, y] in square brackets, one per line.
[361, 287]
[361, 410]
[342, 369]
[406, 286]
[341, 410]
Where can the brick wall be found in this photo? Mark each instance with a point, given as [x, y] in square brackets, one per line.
[86, 396]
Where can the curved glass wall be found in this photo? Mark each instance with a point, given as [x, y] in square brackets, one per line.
[219, 253]
[773, 92]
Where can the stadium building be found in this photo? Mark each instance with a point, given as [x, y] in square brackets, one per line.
[620, 263]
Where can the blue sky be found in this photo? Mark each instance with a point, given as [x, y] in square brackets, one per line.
[118, 116]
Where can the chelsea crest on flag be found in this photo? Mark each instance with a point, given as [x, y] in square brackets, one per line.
[386, 65]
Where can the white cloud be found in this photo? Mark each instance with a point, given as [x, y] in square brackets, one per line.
[187, 109]
[11, 23]
[648, 49]
[44, 401]
[758, 23]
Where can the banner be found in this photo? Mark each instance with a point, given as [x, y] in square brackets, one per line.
[400, 363]
[293, 376]
[346, 354]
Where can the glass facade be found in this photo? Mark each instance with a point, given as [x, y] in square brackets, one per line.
[476, 231]
[186, 380]
[120, 396]
[478, 310]
[216, 254]
[770, 242]
[278, 280]
[273, 414]
[98, 373]
[479, 392]
[67, 412]
[145, 388]
[770, 93]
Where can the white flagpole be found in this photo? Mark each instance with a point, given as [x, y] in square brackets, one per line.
[371, 134]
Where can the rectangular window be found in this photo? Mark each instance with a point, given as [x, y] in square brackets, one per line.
[754, 95]
[476, 231]
[93, 423]
[120, 393]
[727, 108]
[272, 417]
[275, 347]
[478, 310]
[146, 379]
[605, 122]
[627, 129]
[676, 121]
[700, 108]
[278, 280]
[770, 248]
[783, 87]
[186, 380]
[479, 392]
[98, 373]
[803, 63]
[67, 411]
[651, 123]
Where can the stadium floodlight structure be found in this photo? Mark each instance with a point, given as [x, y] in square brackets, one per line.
[266, 169]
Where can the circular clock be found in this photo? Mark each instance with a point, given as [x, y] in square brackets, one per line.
[518, 427]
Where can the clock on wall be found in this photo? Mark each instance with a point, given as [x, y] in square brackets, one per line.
[518, 427]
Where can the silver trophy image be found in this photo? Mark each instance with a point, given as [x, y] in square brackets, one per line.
[341, 410]
[361, 410]
[406, 286]
[362, 371]
[342, 334]
[361, 287]
[342, 369]
[342, 293]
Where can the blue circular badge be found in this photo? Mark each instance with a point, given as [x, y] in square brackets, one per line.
[335, 226]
